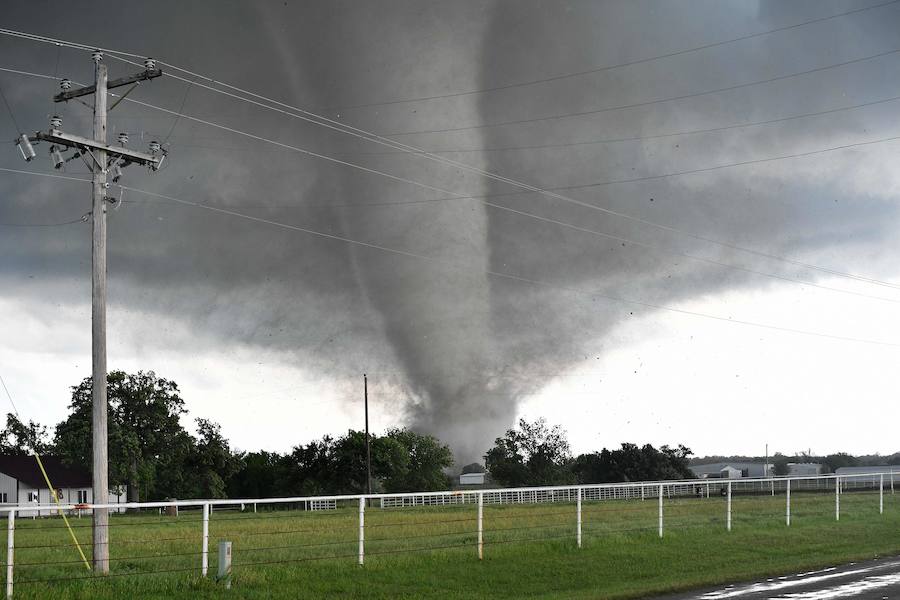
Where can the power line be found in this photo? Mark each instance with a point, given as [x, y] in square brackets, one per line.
[9, 110]
[413, 150]
[638, 138]
[511, 277]
[611, 67]
[528, 187]
[368, 136]
[83, 219]
[625, 240]
[596, 111]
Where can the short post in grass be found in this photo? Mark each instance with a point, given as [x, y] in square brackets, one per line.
[661, 491]
[881, 494]
[480, 525]
[204, 554]
[787, 491]
[578, 510]
[728, 508]
[224, 564]
[10, 546]
[362, 530]
[837, 498]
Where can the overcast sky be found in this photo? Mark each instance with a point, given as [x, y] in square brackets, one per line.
[615, 329]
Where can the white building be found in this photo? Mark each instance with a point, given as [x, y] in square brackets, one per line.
[471, 479]
[22, 484]
[804, 469]
[870, 475]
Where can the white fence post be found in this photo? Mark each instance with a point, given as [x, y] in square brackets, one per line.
[10, 545]
[837, 498]
[660, 510]
[578, 504]
[787, 514]
[480, 525]
[362, 529]
[642, 491]
[204, 560]
[728, 509]
[881, 494]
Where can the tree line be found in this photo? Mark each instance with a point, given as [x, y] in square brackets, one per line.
[152, 453]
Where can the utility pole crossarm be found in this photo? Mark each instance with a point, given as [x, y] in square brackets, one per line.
[88, 90]
[83, 143]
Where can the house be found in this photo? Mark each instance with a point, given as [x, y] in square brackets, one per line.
[732, 470]
[23, 484]
[859, 475]
[471, 479]
[803, 469]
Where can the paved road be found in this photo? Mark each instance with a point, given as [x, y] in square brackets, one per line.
[869, 580]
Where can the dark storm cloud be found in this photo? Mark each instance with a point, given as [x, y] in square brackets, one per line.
[469, 347]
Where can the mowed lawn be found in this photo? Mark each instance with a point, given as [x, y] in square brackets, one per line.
[530, 550]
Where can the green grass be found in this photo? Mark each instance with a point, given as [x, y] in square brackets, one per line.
[529, 550]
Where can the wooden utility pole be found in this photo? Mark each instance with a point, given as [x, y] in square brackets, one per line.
[100, 158]
[368, 450]
[98, 324]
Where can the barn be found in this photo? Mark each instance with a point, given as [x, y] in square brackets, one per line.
[22, 484]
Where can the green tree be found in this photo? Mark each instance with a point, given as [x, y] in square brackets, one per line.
[212, 462]
[19, 438]
[781, 464]
[633, 463]
[833, 462]
[532, 454]
[422, 469]
[261, 475]
[145, 434]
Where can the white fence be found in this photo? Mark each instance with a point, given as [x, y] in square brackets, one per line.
[650, 506]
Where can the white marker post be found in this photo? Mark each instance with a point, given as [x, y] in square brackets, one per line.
[837, 499]
[787, 514]
[480, 526]
[204, 560]
[225, 564]
[362, 530]
[10, 546]
[660, 510]
[578, 505]
[728, 508]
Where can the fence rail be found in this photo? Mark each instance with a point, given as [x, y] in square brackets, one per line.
[639, 507]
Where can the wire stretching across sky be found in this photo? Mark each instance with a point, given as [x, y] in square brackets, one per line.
[411, 149]
[597, 111]
[625, 240]
[508, 276]
[622, 65]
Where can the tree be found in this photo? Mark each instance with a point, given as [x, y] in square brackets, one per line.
[212, 463]
[145, 435]
[631, 463]
[532, 454]
[19, 439]
[833, 462]
[781, 464]
[261, 475]
[423, 468]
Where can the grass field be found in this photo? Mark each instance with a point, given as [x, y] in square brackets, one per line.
[529, 550]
